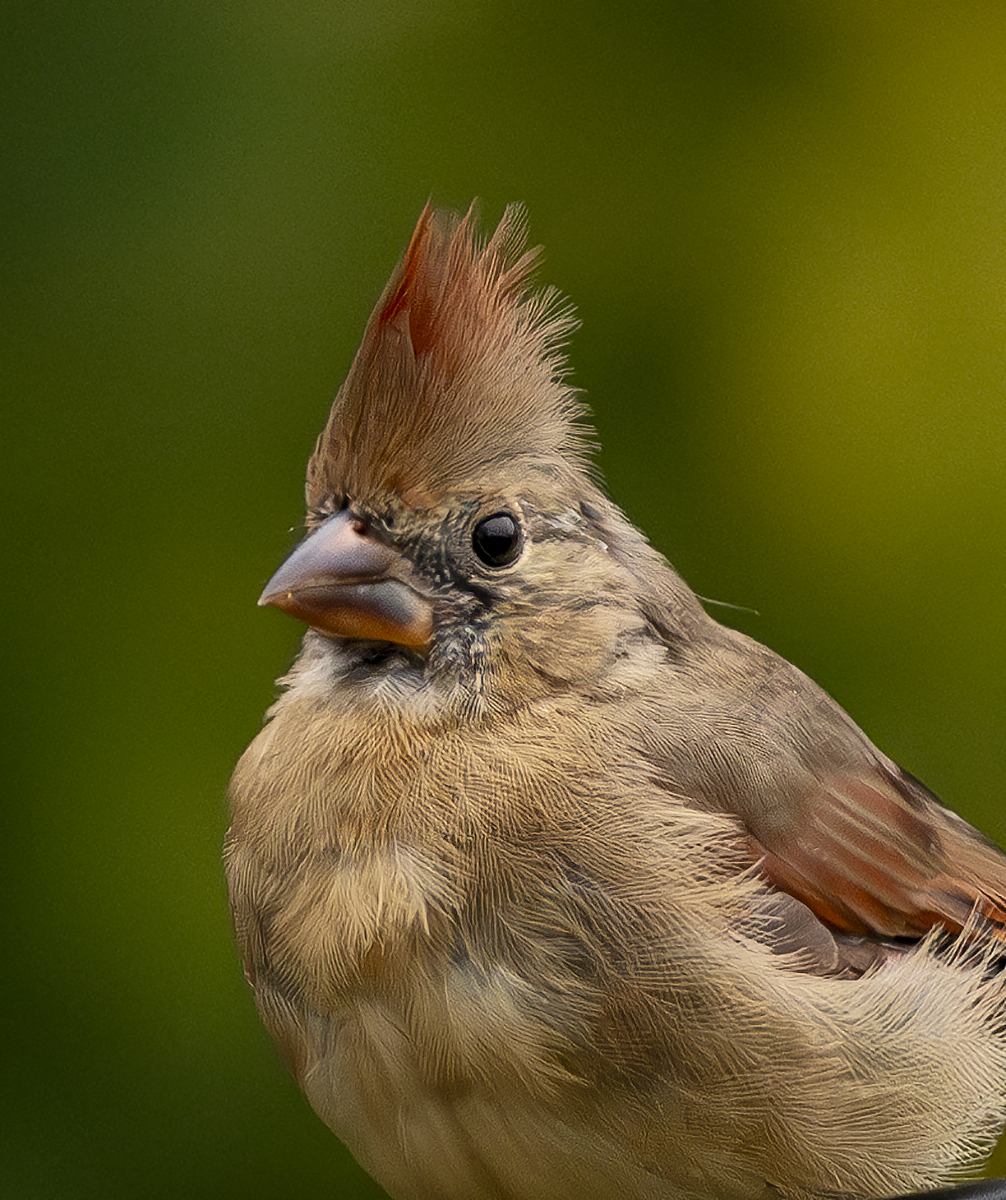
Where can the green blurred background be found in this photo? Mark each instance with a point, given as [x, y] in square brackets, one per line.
[783, 224]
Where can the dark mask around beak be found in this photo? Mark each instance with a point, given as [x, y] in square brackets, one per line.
[345, 583]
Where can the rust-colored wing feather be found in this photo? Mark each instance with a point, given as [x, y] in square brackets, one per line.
[879, 854]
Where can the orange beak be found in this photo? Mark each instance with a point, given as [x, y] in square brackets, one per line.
[345, 583]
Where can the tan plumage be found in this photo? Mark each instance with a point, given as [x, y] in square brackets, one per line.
[550, 886]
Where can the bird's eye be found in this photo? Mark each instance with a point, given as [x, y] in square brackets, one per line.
[496, 540]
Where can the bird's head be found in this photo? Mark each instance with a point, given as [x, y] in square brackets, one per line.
[455, 530]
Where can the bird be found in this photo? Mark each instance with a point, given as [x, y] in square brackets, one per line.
[548, 884]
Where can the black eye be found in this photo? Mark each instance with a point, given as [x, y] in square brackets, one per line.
[496, 540]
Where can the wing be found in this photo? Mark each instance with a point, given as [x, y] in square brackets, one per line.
[874, 852]
[829, 819]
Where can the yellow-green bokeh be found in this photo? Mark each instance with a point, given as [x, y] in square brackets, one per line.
[782, 223]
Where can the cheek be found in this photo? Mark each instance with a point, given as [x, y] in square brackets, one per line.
[585, 643]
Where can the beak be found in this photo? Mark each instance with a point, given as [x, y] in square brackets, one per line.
[343, 582]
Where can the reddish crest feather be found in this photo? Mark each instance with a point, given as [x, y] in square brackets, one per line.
[401, 293]
[459, 383]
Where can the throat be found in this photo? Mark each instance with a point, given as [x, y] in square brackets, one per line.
[455, 680]
[376, 658]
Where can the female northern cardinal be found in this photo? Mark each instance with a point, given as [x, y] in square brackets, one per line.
[550, 886]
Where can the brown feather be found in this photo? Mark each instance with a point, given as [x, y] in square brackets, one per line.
[873, 858]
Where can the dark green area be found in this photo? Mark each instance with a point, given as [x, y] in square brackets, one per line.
[783, 225]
